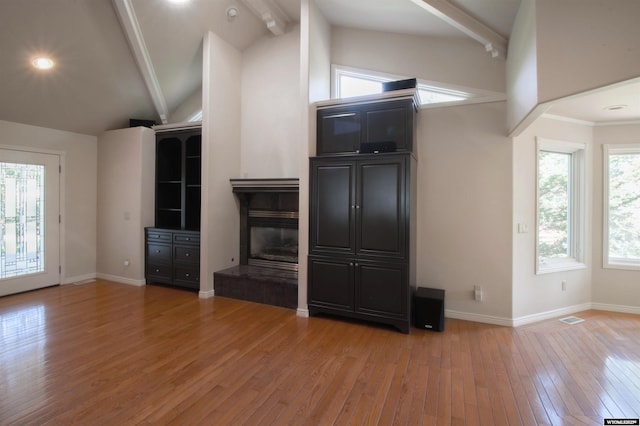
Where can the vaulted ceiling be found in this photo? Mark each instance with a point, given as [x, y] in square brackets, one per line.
[99, 83]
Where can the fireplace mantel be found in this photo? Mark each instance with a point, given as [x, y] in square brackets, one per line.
[265, 185]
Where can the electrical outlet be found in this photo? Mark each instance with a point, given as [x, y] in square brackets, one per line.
[477, 291]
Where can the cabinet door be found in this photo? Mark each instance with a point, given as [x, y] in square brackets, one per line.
[332, 206]
[331, 283]
[382, 289]
[380, 207]
[339, 130]
[389, 122]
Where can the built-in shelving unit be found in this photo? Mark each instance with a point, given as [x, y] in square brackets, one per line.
[173, 245]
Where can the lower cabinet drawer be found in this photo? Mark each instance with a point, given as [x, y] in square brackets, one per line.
[187, 277]
[158, 252]
[158, 272]
[186, 254]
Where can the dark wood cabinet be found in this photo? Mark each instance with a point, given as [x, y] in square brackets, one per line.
[360, 228]
[178, 168]
[358, 205]
[343, 129]
[173, 257]
[173, 245]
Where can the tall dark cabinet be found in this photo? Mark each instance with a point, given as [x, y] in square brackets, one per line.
[173, 245]
[362, 218]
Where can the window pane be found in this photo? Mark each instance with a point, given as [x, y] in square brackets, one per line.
[358, 86]
[434, 96]
[21, 219]
[554, 205]
[624, 206]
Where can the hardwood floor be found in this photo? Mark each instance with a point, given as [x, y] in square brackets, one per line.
[110, 354]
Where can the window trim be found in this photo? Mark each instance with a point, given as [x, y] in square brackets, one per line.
[577, 206]
[471, 95]
[608, 149]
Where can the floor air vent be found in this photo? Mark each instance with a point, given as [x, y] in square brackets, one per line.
[571, 320]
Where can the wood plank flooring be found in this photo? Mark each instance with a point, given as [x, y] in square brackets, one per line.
[110, 354]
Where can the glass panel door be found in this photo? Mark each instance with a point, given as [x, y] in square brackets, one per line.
[29, 226]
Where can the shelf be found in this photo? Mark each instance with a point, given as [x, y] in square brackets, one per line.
[178, 175]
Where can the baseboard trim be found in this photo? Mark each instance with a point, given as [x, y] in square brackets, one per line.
[78, 279]
[486, 319]
[121, 280]
[302, 312]
[541, 316]
[206, 294]
[616, 308]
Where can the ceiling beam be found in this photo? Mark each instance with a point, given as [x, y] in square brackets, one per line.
[493, 42]
[131, 27]
[273, 16]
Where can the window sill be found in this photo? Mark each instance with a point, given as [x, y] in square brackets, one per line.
[549, 268]
[629, 266]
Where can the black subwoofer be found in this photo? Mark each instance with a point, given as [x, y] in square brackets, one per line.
[428, 309]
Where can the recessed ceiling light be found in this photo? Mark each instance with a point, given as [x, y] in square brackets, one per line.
[43, 63]
[615, 107]
[179, 1]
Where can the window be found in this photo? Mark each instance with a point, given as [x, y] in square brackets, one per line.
[621, 206]
[348, 82]
[560, 206]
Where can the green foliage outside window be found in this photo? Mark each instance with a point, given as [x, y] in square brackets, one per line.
[554, 170]
[624, 206]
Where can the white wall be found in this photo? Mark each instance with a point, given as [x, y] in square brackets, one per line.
[459, 61]
[78, 188]
[315, 66]
[464, 209]
[522, 66]
[578, 41]
[271, 128]
[563, 48]
[221, 123]
[540, 296]
[126, 189]
[187, 108]
[613, 289]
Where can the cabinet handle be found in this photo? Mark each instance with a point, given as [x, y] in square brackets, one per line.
[188, 239]
[186, 254]
[348, 114]
[157, 251]
[357, 207]
[350, 263]
[186, 275]
[356, 265]
[157, 270]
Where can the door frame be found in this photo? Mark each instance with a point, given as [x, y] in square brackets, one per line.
[61, 202]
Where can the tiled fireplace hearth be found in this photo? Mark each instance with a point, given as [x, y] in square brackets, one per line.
[268, 269]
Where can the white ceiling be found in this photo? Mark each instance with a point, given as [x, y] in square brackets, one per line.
[404, 16]
[97, 84]
[594, 106]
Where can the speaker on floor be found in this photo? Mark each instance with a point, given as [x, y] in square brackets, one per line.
[428, 309]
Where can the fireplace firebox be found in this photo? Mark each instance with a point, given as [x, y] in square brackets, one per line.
[268, 269]
[273, 244]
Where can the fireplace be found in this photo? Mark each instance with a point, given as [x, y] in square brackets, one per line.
[272, 244]
[268, 269]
